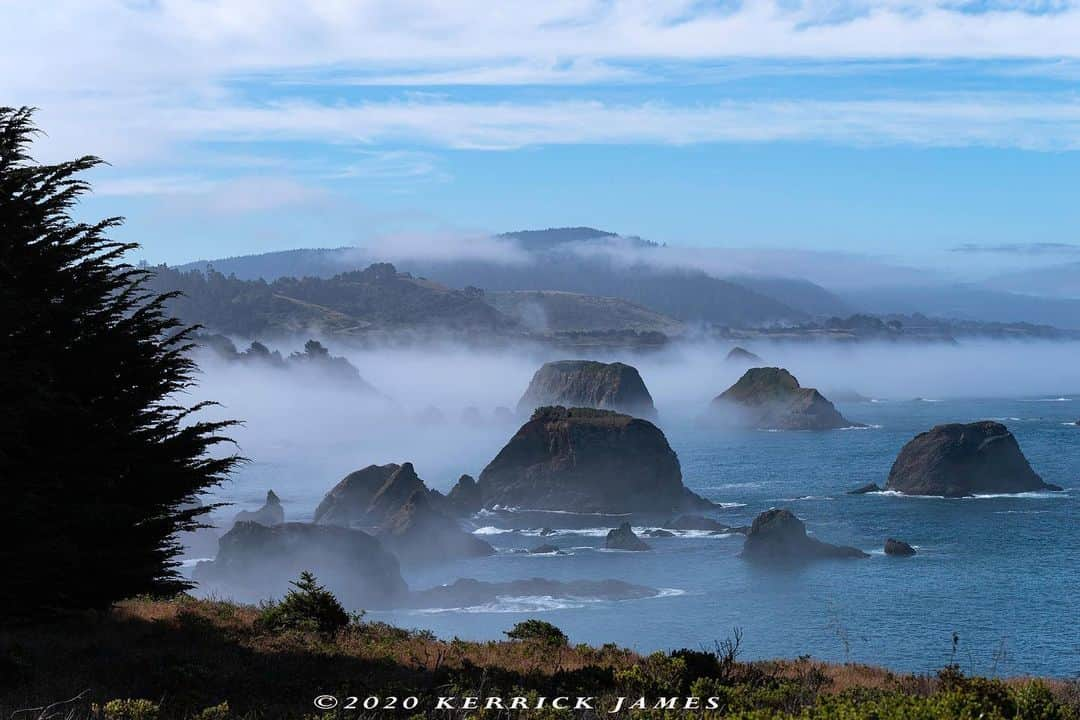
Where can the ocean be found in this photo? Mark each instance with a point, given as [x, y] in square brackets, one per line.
[999, 572]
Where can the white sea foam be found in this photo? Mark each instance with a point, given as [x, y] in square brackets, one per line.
[861, 427]
[1036, 495]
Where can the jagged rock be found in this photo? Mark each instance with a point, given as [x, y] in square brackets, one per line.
[256, 561]
[545, 550]
[770, 398]
[695, 522]
[587, 460]
[777, 536]
[418, 534]
[867, 488]
[741, 356]
[470, 593]
[898, 547]
[659, 533]
[544, 532]
[367, 498]
[587, 383]
[464, 497]
[623, 538]
[271, 513]
[958, 460]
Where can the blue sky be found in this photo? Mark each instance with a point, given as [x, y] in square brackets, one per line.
[933, 134]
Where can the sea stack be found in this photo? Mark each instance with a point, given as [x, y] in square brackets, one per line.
[623, 538]
[271, 513]
[770, 398]
[587, 383]
[960, 460]
[741, 356]
[255, 562]
[778, 537]
[586, 460]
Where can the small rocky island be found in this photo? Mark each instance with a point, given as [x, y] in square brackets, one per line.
[741, 356]
[770, 398]
[960, 460]
[778, 537]
[417, 524]
[587, 383]
[587, 461]
[898, 548]
[624, 538]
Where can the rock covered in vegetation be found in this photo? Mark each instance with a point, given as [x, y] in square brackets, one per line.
[587, 383]
[958, 460]
[419, 534]
[586, 460]
[271, 513]
[771, 398]
[777, 536]
[256, 561]
[898, 547]
[623, 538]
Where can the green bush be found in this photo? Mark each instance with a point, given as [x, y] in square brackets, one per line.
[130, 709]
[308, 606]
[538, 631]
[216, 712]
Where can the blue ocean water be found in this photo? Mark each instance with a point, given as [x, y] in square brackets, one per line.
[1000, 572]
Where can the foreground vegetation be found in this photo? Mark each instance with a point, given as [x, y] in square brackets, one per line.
[211, 660]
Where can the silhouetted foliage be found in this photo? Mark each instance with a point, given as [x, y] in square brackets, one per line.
[101, 467]
[308, 606]
[538, 631]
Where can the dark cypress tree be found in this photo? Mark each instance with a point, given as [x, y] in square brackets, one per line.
[100, 462]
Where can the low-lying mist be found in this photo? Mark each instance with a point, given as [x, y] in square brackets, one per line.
[448, 409]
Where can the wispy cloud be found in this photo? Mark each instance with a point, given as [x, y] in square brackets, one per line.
[1035, 248]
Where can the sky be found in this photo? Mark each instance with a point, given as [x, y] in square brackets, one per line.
[937, 134]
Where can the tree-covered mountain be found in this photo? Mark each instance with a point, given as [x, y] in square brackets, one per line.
[376, 299]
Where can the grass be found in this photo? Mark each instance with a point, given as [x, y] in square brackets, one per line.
[211, 660]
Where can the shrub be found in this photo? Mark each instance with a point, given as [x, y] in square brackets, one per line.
[308, 606]
[130, 709]
[538, 631]
[216, 712]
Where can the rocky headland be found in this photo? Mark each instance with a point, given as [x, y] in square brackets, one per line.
[771, 398]
[959, 460]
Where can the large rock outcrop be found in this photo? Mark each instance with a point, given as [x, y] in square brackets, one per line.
[464, 498]
[421, 535]
[417, 524]
[586, 460]
[271, 513]
[771, 398]
[369, 497]
[591, 384]
[958, 460]
[257, 561]
[778, 537]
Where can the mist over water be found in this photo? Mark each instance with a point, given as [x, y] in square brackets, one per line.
[999, 571]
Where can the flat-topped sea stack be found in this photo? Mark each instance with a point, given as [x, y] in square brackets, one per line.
[960, 460]
[778, 537]
[770, 398]
[585, 460]
[590, 384]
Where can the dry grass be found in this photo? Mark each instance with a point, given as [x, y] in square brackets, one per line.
[189, 654]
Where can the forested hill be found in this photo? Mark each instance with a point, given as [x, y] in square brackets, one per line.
[375, 299]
